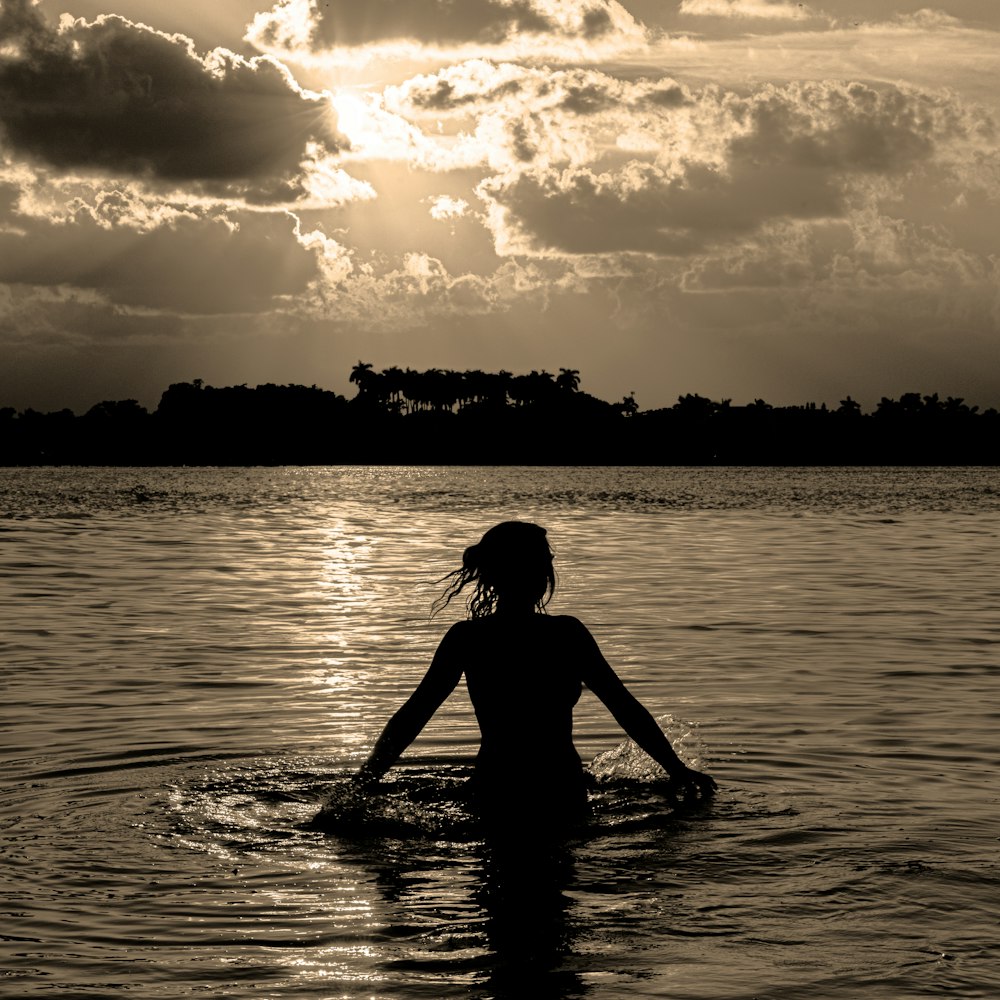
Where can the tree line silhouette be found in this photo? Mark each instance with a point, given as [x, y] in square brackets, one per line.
[402, 416]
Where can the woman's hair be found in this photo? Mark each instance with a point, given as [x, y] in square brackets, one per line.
[513, 556]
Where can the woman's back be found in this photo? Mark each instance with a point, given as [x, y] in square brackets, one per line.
[523, 679]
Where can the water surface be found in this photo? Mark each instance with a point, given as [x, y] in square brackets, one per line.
[192, 658]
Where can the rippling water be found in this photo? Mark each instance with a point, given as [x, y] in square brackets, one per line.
[191, 658]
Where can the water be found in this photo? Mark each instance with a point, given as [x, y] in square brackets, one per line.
[192, 658]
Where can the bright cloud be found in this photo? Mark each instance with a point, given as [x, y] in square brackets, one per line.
[445, 208]
[384, 292]
[347, 32]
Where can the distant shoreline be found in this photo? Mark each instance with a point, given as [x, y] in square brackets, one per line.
[481, 419]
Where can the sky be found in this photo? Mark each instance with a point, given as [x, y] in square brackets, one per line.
[745, 199]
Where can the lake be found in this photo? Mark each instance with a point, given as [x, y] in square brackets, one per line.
[192, 658]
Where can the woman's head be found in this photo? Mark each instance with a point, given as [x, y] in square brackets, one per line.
[510, 565]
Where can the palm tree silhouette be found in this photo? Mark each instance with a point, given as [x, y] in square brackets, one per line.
[361, 376]
[568, 379]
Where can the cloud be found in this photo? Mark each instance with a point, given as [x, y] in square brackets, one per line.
[346, 31]
[140, 253]
[38, 318]
[444, 208]
[387, 291]
[767, 10]
[709, 21]
[460, 86]
[506, 117]
[121, 99]
[867, 252]
[923, 19]
[926, 49]
[718, 169]
[641, 209]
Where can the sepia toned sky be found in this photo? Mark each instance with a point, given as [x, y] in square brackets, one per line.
[739, 198]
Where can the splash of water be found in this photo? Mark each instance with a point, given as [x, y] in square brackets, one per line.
[629, 762]
[414, 803]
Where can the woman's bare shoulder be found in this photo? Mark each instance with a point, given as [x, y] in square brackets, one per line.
[472, 628]
[570, 623]
[461, 629]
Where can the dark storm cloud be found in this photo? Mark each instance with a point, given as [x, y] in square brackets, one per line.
[786, 154]
[854, 127]
[161, 259]
[119, 98]
[647, 212]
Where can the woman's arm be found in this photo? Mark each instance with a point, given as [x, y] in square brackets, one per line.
[403, 728]
[632, 716]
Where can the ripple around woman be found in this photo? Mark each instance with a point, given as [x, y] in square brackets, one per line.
[525, 671]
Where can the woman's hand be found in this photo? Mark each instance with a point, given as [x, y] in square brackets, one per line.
[346, 806]
[365, 778]
[691, 784]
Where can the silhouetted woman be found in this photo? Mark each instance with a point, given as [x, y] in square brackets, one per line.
[525, 671]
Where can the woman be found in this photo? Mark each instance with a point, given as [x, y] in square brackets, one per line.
[525, 671]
